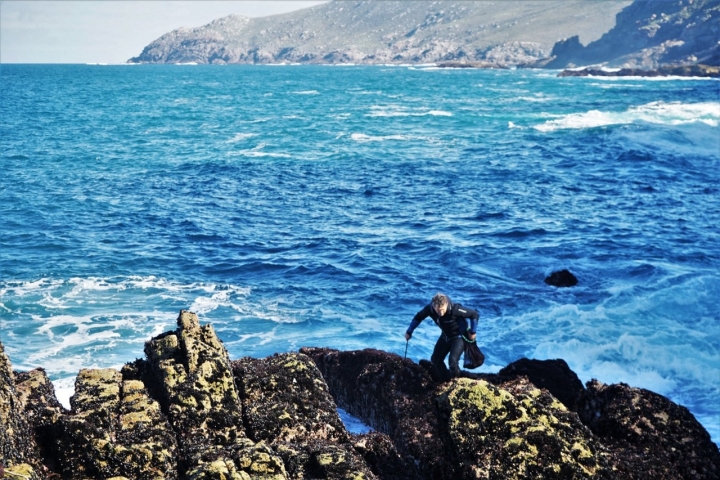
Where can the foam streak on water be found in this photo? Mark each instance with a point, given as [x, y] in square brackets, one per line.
[314, 206]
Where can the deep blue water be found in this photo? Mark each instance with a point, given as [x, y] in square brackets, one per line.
[323, 206]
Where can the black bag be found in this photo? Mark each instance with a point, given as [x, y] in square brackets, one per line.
[473, 357]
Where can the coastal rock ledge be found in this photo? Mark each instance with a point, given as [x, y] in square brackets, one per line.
[186, 411]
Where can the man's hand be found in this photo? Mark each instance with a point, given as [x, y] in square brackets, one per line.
[408, 336]
[471, 336]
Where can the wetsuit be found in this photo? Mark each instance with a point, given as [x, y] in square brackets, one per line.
[453, 325]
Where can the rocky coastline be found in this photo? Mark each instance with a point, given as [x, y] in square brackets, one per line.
[704, 71]
[186, 411]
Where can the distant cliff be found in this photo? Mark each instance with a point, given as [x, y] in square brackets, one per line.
[651, 33]
[502, 32]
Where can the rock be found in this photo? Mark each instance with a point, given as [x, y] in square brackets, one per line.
[187, 412]
[553, 375]
[19, 454]
[562, 278]
[649, 436]
[197, 389]
[43, 411]
[368, 32]
[382, 457]
[649, 34]
[287, 404]
[518, 430]
[115, 430]
[662, 71]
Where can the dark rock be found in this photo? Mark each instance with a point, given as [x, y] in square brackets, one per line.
[43, 411]
[553, 375]
[663, 71]
[649, 436]
[189, 413]
[392, 395]
[287, 404]
[19, 454]
[382, 457]
[562, 278]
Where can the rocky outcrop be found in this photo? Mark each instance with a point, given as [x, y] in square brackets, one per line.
[663, 71]
[649, 34]
[371, 32]
[19, 454]
[186, 411]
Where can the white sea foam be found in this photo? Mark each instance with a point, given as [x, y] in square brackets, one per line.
[239, 137]
[400, 111]
[307, 92]
[674, 113]
[361, 137]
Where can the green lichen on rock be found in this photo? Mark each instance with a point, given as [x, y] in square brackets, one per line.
[197, 389]
[244, 460]
[516, 432]
[116, 430]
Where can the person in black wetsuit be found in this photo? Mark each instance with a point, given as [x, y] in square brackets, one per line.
[452, 319]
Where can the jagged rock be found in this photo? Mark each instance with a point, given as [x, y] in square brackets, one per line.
[393, 395]
[287, 404]
[197, 389]
[187, 412]
[561, 278]
[43, 411]
[19, 453]
[516, 432]
[553, 375]
[649, 436]
[115, 430]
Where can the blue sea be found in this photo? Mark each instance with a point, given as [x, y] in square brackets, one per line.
[296, 206]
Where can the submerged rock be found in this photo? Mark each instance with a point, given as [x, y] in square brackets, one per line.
[187, 412]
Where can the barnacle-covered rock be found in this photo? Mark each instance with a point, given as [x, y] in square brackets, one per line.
[287, 404]
[19, 454]
[394, 396]
[115, 430]
[649, 436]
[516, 432]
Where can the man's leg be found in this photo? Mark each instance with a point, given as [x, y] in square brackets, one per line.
[457, 347]
[438, 359]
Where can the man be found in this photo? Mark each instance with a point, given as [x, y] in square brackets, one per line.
[452, 320]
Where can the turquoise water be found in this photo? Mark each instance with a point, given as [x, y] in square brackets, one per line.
[323, 206]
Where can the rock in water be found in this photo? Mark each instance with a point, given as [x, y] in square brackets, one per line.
[562, 278]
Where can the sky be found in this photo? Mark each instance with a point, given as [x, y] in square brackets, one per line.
[106, 31]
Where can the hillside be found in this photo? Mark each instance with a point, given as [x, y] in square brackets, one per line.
[650, 33]
[505, 32]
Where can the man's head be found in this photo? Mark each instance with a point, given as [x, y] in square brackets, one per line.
[440, 303]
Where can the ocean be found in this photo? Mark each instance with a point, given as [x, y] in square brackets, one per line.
[297, 206]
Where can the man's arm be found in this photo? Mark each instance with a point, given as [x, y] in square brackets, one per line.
[419, 317]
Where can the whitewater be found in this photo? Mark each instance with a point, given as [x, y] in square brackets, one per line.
[296, 206]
